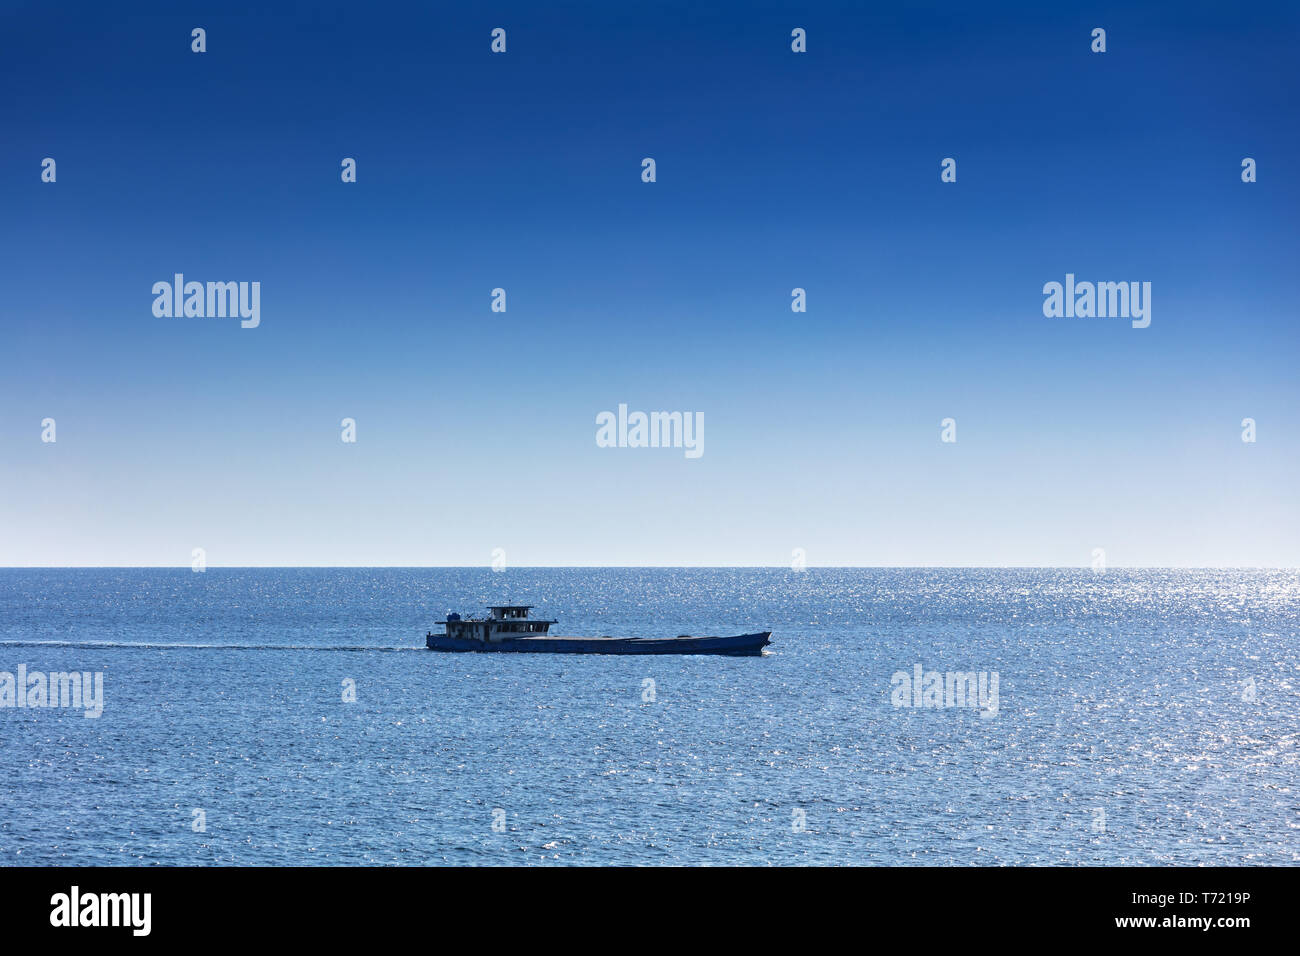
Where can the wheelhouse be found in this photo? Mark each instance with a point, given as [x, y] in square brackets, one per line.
[504, 621]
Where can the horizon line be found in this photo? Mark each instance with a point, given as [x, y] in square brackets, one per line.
[639, 567]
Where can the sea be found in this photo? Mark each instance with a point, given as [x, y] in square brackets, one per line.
[257, 716]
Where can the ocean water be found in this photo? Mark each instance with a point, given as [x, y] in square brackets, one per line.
[1144, 717]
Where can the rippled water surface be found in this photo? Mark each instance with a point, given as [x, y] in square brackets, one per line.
[1143, 717]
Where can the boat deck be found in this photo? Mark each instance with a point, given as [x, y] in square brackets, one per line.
[741, 645]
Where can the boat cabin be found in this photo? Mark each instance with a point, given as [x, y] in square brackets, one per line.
[503, 621]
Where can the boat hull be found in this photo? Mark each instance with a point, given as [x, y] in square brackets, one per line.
[741, 645]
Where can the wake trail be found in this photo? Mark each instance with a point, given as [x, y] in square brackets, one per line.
[148, 645]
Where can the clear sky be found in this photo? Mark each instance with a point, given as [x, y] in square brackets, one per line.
[775, 170]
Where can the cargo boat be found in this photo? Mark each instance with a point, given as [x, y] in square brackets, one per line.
[508, 628]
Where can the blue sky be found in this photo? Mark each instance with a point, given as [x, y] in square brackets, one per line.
[775, 170]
